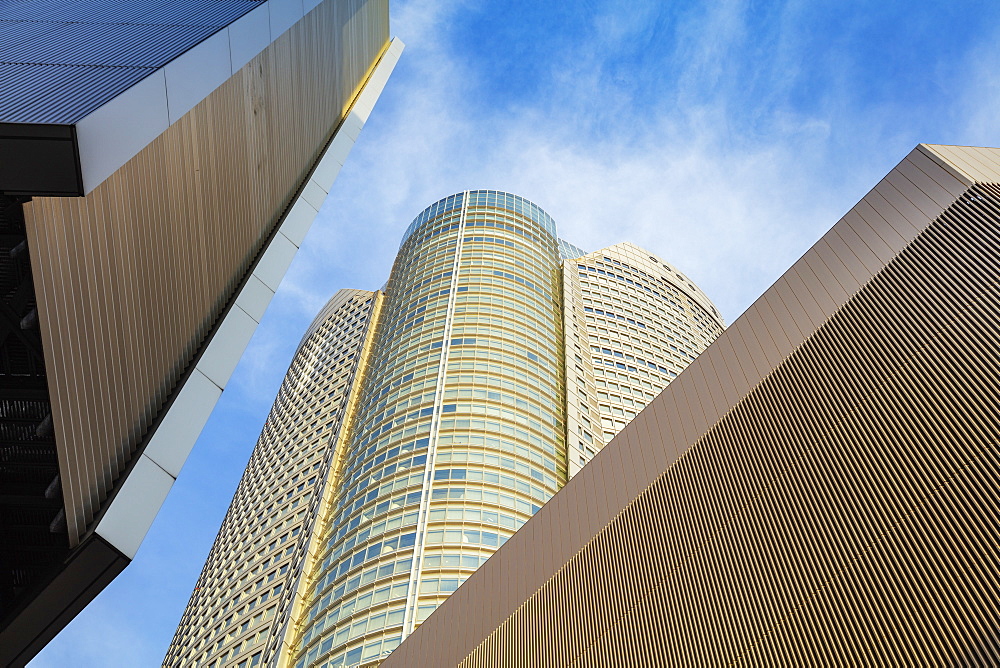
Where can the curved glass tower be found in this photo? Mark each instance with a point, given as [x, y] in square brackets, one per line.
[458, 438]
[458, 424]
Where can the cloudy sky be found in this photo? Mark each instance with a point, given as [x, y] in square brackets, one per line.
[725, 136]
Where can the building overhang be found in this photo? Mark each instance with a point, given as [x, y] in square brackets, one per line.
[43, 159]
[60, 147]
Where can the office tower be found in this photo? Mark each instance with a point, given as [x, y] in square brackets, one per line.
[818, 488]
[420, 426]
[643, 323]
[161, 164]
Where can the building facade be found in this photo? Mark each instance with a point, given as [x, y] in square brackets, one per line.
[818, 488]
[161, 165]
[453, 430]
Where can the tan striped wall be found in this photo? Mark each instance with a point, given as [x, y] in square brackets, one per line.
[132, 278]
[818, 488]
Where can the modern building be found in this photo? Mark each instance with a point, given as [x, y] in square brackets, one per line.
[161, 164]
[420, 426]
[818, 488]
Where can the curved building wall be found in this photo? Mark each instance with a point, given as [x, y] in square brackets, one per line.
[634, 322]
[488, 372]
[245, 595]
[458, 436]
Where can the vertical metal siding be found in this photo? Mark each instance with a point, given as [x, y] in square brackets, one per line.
[131, 278]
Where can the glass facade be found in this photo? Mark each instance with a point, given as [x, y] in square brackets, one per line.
[645, 324]
[490, 369]
[245, 596]
[458, 437]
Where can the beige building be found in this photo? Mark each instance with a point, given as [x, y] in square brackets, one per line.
[161, 164]
[420, 426]
[818, 488]
[638, 322]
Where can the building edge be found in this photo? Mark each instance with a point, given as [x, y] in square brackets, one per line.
[294, 622]
[129, 510]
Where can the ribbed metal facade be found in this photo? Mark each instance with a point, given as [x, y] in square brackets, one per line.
[59, 61]
[143, 290]
[818, 488]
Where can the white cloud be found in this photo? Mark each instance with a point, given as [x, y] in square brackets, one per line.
[734, 212]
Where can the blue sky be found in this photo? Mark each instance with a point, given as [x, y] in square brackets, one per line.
[724, 136]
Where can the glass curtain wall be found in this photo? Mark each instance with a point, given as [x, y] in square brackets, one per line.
[458, 436]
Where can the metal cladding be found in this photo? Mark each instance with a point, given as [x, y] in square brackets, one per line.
[475, 400]
[64, 66]
[127, 308]
[99, 47]
[194, 208]
[818, 488]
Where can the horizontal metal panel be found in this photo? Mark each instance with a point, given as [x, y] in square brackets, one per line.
[105, 45]
[60, 61]
[177, 12]
[59, 94]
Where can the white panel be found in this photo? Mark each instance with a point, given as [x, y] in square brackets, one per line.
[298, 221]
[373, 89]
[131, 513]
[173, 439]
[309, 5]
[249, 35]
[327, 171]
[284, 14]
[364, 104]
[196, 73]
[376, 83]
[111, 135]
[331, 162]
[254, 298]
[275, 261]
[314, 194]
[225, 349]
[352, 126]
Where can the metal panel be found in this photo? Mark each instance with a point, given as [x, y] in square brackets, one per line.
[195, 207]
[216, 13]
[110, 135]
[106, 45]
[60, 61]
[836, 513]
[59, 93]
[121, 316]
[193, 75]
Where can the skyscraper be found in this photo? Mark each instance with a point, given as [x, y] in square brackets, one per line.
[420, 426]
[818, 488]
[161, 164]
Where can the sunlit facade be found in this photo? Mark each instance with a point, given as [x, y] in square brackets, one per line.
[245, 596]
[479, 385]
[638, 322]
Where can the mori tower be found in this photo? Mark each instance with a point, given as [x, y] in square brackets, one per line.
[421, 425]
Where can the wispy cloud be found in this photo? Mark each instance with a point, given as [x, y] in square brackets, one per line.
[672, 155]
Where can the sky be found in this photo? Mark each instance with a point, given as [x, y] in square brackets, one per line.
[725, 136]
